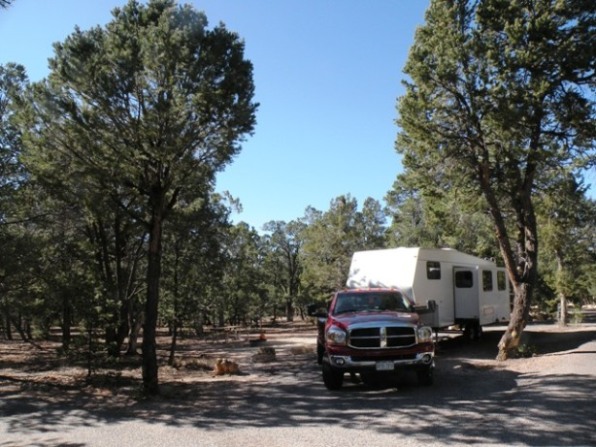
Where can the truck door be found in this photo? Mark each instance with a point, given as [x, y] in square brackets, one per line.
[465, 292]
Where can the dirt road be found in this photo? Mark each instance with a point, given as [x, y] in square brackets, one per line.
[546, 400]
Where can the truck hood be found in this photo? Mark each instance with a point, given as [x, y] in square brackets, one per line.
[382, 318]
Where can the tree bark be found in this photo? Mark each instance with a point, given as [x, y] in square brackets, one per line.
[150, 366]
[290, 309]
[525, 277]
[562, 297]
[16, 322]
[66, 321]
[521, 264]
[519, 317]
[133, 336]
[174, 342]
[8, 333]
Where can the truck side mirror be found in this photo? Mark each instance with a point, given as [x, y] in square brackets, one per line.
[432, 305]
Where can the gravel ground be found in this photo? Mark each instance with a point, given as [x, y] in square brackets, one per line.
[546, 400]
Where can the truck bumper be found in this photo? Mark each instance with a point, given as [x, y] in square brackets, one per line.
[349, 363]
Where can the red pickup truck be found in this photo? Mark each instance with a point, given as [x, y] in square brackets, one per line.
[372, 332]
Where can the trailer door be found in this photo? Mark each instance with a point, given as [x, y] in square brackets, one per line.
[465, 286]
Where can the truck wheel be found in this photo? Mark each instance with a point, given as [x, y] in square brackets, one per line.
[426, 376]
[320, 353]
[332, 378]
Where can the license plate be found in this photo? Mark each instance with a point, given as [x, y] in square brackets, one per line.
[385, 366]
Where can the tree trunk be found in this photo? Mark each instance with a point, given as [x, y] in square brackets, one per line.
[290, 309]
[563, 314]
[521, 265]
[115, 335]
[28, 329]
[524, 280]
[123, 287]
[8, 326]
[66, 322]
[221, 317]
[562, 297]
[174, 341]
[175, 321]
[519, 317]
[150, 366]
[198, 325]
[133, 336]
[16, 322]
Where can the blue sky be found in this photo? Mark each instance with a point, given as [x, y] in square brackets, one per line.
[327, 75]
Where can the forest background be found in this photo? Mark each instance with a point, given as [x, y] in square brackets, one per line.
[110, 223]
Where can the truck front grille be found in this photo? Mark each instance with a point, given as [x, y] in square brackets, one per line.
[382, 337]
[389, 358]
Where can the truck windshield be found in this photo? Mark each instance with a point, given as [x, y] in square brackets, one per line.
[371, 302]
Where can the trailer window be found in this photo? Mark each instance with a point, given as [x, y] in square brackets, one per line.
[433, 270]
[501, 280]
[464, 279]
[487, 280]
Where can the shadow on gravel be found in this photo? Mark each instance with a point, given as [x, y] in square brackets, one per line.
[558, 342]
[468, 404]
[541, 342]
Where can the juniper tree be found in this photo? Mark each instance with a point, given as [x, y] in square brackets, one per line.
[500, 92]
[146, 111]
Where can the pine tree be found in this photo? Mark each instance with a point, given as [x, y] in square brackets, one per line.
[145, 112]
[499, 94]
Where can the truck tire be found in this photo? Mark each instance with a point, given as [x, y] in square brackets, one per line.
[426, 376]
[320, 353]
[332, 378]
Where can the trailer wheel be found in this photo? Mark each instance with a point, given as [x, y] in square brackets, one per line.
[473, 331]
[332, 378]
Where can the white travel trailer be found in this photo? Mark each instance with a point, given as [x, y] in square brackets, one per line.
[466, 290]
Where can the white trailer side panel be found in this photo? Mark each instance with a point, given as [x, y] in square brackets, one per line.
[428, 275]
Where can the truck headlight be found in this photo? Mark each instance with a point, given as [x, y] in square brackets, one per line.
[336, 336]
[425, 334]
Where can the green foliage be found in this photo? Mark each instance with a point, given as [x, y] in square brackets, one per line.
[493, 99]
[284, 244]
[194, 262]
[498, 106]
[526, 351]
[143, 113]
[566, 219]
[19, 243]
[420, 220]
[576, 316]
[137, 118]
[151, 106]
[587, 280]
[13, 81]
[241, 297]
[331, 238]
